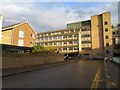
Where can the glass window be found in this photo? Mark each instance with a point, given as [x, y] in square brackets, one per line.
[32, 35]
[70, 36]
[70, 48]
[107, 51]
[113, 33]
[59, 37]
[106, 29]
[55, 38]
[31, 43]
[106, 22]
[106, 37]
[107, 44]
[70, 42]
[20, 43]
[42, 39]
[65, 42]
[50, 38]
[75, 48]
[117, 32]
[64, 48]
[21, 34]
[46, 38]
[64, 36]
[75, 42]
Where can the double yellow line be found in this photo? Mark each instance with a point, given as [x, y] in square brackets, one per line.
[96, 79]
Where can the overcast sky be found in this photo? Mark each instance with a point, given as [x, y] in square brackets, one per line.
[47, 16]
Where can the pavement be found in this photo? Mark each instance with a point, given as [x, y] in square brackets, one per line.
[114, 73]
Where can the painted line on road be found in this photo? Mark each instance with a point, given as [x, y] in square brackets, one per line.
[96, 79]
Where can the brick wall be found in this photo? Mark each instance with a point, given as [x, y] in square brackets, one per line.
[21, 60]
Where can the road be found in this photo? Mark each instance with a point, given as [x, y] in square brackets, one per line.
[80, 74]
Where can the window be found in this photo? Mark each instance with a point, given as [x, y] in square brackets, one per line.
[86, 54]
[86, 41]
[38, 35]
[38, 44]
[113, 33]
[50, 43]
[86, 48]
[75, 36]
[46, 38]
[70, 42]
[115, 47]
[59, 37]
[117, 32]
[70, 48]
[65, 42]
[42, 39]
[64, 36]
[21, 34]
[50, 38]
[106, 29]
[64, 48]
[70, 36]
[75, 42]
[106, 22]
[42, 44]
[86, 35]
[75, 48]
[106, 37]
[32, 35]
[20, 42]
[107, 44]
[55, 38]
[107, 51]
[37, 39]
[31, 43]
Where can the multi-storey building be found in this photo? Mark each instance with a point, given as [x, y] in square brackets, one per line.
[20, 34]
[66, 41]
[101, 33]
[90, 39]
[116, 40]
[1, 18]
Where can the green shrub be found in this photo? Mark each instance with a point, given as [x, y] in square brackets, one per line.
[42, 49]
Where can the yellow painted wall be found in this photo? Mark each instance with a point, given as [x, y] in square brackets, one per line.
[7, 37]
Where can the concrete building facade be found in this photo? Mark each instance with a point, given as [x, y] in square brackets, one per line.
[20, 34]
[116, 40]
[1, 19]
[66, 41]
[90, 38]
[101, 35]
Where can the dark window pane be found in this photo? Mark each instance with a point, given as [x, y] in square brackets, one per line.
[106, 23]
[106, 30]
[107, 44]
[106, 37]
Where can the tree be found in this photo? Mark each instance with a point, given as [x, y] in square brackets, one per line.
[38, 49]
[42, 49]
[49, 49]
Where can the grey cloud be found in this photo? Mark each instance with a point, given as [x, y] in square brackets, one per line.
[43, 19]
